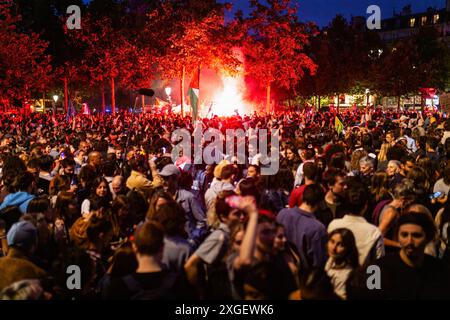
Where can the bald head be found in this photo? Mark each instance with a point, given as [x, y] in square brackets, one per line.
[95, 159]
[118, 184]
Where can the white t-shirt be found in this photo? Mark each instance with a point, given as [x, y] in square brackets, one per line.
[85, 207]
[338, 278]
[367, 236]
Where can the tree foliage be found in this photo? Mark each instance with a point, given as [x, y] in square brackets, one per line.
[24, 65]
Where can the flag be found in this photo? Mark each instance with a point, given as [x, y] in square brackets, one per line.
[194, 91]
[338, 125]
[159, 102]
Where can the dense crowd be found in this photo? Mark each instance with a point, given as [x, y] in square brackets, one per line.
[102, 193]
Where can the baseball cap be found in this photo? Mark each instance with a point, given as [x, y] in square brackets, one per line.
[219, 167]
[169, 170]
[22, 234]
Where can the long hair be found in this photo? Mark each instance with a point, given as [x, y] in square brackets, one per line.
[351, 251]
[382, 155]
[154, 199]
[420, 178]
[97, 182]
[63, 200]
[380, 185]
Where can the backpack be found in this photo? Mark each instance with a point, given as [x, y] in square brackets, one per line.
[161, 293]
[216, 278]
[377, 211]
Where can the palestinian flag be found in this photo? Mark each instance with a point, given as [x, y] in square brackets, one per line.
[338, 125]
[194, 91]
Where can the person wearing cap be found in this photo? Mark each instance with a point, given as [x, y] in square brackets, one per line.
[195, 213]
[411, 274]
[224, 177]
[17, 265]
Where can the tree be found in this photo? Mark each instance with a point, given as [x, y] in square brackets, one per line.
[433, 55]
[318, 84]
[24, 66]
[109, 55]
[274, 45]
[190, 34]
[397, 75]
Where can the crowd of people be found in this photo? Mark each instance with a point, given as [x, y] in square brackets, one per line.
[101, 192]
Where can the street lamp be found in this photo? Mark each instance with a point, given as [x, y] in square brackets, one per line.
[368, 96]
[55, 98]
[168, 91]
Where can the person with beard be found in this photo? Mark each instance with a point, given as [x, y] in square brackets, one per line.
[407, 163]
[410, 274]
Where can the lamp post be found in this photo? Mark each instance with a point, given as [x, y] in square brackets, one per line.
[368, 96]
[168, 91]
[55, 98]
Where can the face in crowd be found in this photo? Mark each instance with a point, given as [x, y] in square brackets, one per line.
[339, 186]
[392, 169]
[335, 247]
[389, 138]
[365, 169]
[102, 189]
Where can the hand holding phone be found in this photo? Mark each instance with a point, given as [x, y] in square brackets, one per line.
[436, 195]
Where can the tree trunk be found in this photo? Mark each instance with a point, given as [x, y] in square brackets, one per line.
[268, 99]
[318, 103]
[66, 95]
[399, 102]
[113, 96]
[103, 99]
[183, 74]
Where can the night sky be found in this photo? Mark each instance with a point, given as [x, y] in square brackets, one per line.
[323, 11]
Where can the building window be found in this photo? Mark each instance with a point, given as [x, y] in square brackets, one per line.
[412, 22]
[424, 20]
[436, 18]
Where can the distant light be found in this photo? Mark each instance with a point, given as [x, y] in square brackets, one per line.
[168, 90]
[55, 98]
